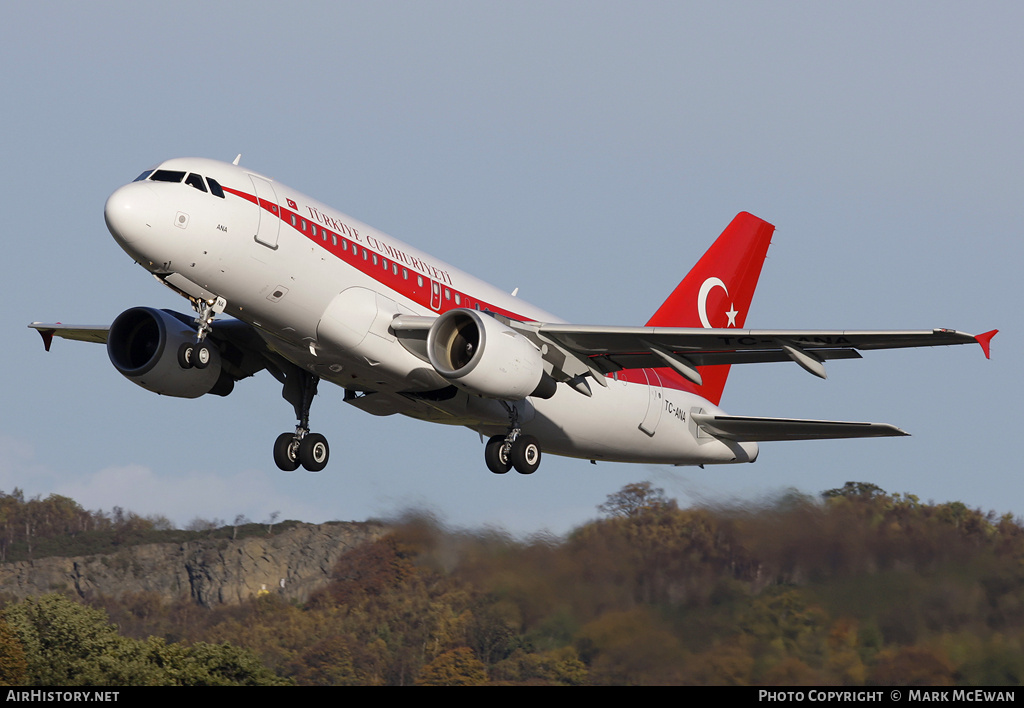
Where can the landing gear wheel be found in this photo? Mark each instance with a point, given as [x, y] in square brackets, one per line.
[314, 452]
[185, 355]
[497, 461]
[201, 356]
[525, 454]
[286, 452]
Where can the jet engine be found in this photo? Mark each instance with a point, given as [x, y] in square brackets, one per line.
[143, 345]
[481, 355]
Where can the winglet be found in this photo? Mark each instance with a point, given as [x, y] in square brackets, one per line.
[985, 340]
[47, 335]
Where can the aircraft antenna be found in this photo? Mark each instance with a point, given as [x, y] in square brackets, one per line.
[237, 159]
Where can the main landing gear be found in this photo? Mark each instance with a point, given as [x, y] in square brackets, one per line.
[310, 450]
[503, 452]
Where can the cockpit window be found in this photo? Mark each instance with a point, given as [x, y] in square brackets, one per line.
[215, 187]
[194, 180]
[167, 176]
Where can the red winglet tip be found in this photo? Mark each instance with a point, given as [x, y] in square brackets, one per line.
[985, 340]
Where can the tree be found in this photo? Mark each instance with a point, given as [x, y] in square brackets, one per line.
[635, 499]
[240, 520]
[13, 667]
[68, 644]
[457, 667]
[856, 490]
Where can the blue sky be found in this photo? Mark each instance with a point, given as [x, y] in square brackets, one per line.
[584, 152]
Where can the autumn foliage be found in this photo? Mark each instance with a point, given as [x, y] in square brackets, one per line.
[855, 587]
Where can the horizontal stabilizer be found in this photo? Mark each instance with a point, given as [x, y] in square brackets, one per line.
[747, 429]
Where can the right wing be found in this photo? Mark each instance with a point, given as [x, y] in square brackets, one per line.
[82, 333]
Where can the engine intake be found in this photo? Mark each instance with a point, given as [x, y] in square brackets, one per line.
[143, 343]
[481, 355]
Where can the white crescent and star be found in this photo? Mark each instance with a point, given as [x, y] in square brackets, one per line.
[702, 302]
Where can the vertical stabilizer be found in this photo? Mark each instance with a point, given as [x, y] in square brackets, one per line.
[717, 293]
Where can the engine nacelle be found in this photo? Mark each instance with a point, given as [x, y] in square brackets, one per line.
[143, 345]
[481, 355]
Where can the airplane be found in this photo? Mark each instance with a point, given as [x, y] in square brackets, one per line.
[312, 294]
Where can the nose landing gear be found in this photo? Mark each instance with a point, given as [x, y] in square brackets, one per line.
[197, 354]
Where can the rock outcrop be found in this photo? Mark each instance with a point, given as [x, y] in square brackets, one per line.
[292, 563]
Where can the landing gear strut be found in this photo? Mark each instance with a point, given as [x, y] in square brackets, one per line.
[310, 450]
[503, 452]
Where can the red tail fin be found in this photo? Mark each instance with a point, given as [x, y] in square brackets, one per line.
[717, 293]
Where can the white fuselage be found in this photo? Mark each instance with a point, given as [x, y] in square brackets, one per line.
[322, 289]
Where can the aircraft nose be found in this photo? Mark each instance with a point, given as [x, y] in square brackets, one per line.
[129, 212]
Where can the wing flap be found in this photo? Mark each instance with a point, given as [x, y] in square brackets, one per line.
[749, 429]
[647, 360]
[596, 340]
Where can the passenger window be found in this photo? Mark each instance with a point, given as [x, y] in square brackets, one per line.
[458, 299]
[215, 188]
[194, 180]
[167, 176]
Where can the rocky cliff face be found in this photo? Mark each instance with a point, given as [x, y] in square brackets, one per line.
[292, 563]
